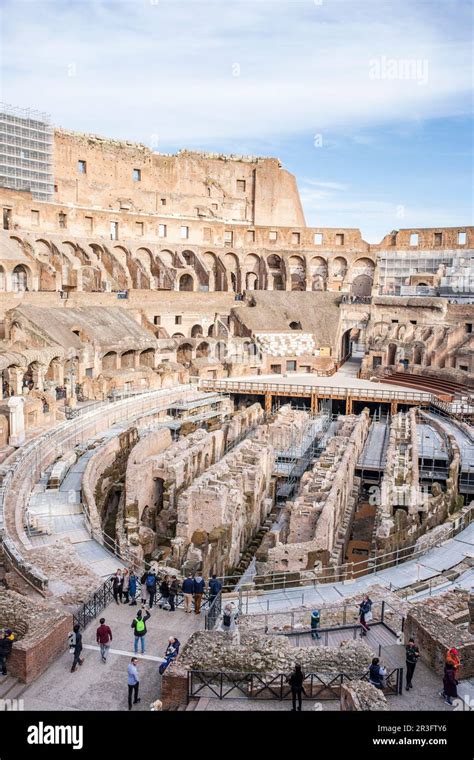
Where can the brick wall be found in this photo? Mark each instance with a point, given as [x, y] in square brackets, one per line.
[30, 658]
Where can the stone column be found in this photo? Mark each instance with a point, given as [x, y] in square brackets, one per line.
[17, 420]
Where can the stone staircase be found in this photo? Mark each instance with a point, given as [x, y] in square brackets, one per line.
[252, 546]
[11, 687]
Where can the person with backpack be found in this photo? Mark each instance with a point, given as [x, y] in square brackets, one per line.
[377, 674]
[151, 587]
[215, 587]
[173, 592]
[75, 646]
[365, 614]
[117, 586]
[139, 629]
[104, 637]
[199, 587]
[188, 590]
[133, 589]
[171, 653]
[315, 622]
[165, 593]
[412, 654]
[228, 622]
[296, 679]
[6, 645]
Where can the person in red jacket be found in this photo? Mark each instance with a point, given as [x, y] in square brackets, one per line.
[104, 637]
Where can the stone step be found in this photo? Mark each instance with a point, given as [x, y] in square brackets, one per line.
[8, 685]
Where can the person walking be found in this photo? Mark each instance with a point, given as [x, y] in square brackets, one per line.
[173, 593]
[133, 589]
[412, 654]
[165, 593]
[315, 621]
[199, 587]
[133, 682]
[296, 679]
[365, 614]
[6, 645]
[377, 674]
[126, 586]
[215, 587]
[452, 657]
[143, 588]
[151, 587]
[188, 590]
[117, 586]
[450, 684]
[77, 647]
[139, 628]
[104, 637]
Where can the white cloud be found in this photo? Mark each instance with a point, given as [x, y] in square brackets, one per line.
[143, 69]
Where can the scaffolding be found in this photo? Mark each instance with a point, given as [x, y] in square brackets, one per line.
[294, 457]
[449, 273]
[26, 151]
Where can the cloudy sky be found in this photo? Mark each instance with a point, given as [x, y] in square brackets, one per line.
[368, 102]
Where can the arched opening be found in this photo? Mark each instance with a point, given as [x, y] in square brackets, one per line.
[221, 351]
[128, 360]
[339, 267]
[417, 354]
[297, 283]
[278, 283]
[202, 350]
[2, 279]
[189, 257]
[346, 345]
[391, 353]
[295, 326]
[196, 331]
[19, 279]
[109, 360]
[251, 281]
[184, 353]
[186, 283]
[297, 270]
[233, 281]
[361, 286]
[147, 358]
[210, 332]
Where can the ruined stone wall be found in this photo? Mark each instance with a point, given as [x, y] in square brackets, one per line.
[406, 511]
[312, 523]
[435, 634]
[357, 696]
[223, 508]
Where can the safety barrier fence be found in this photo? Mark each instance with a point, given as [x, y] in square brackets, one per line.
[274, 686]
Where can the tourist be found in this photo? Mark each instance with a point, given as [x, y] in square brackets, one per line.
[104, 637]
[199, 587]
[133, 682]
[450, 684]
[133, 589]
[452, 657]
[150, 583]
[296, 679]
[377, 674]
[126, 585]
[165, 593]
[139, 628]
[228, 622]
[215, 587]
[171, 653]
[117, 586]
[6, 644]
[412, 654]
[315, 622]
[143, 589]
[76, 647]
[188, 590]
[365, 614]
[173, 592]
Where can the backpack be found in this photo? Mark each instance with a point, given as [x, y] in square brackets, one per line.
[71, 641]
[139, 625]
[150, 580]
[226, 620]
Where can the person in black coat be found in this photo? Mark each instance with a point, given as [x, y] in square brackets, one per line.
[165, 593]
[117, 586]
[450, 684]
[295, 679]
[77, 648]
[5, 650]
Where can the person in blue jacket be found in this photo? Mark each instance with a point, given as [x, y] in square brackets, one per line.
[315, 622]
[188, 591]
[133, 588]
[215, 587]
[199, 587]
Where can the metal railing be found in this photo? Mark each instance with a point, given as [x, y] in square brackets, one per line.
[213, 612]
[331, 391]
[274, 686]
